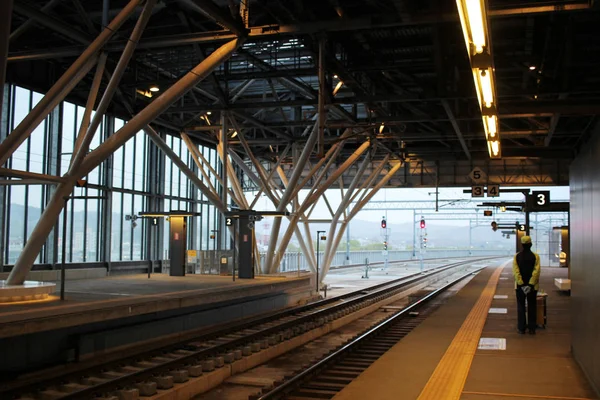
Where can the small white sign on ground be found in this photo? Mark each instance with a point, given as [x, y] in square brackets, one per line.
[500, 296]
[498, 311]
[492, 344]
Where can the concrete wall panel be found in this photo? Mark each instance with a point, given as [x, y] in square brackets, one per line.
[585, 253]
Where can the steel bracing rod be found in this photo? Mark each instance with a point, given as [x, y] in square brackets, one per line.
[212, 11]
[456, 128]
[205, 163]
[261, 175]
[196, 156]
[330, 157]
[313, 197]
[161, 144]
[87, 114]
[5, 19]
[54, 206]
[329, 250]
[64, 85]
[237, 194]
[270, 176]
[364, 190]
[288, 194]
[27, 24]
[113, 84]
[30, 175]
[194, 152]
[328, 205]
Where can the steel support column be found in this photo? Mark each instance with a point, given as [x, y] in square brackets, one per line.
[322, 96]
[313, 197]
[329, 251]
[5, 18]
[358, 207]
[64, 85]
[95, 158]
[287, 195]
[4, 127]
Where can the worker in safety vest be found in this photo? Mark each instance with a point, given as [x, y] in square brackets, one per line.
[526, 269]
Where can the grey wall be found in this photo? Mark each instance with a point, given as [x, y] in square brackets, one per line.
[585, 257]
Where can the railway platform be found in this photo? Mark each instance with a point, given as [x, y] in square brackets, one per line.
[118, 313]
[469, 349]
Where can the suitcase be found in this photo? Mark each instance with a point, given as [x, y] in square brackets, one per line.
[541, 319]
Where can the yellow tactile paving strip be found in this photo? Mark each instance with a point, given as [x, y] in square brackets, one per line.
[450, 375]
[527, 396]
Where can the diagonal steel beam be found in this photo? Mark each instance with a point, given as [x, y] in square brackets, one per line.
[161, 144]
[220, 16]
[456, 128]
[51, 22]
[64, 85]
[27, 24]
[92, 160]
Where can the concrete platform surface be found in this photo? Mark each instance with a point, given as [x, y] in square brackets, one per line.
[531, 367]
[88, 301]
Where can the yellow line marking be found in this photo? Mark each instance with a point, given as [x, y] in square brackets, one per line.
[450, 375]
[534, 396]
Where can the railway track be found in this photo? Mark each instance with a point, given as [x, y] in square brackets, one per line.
[330, 375]
[159, 371]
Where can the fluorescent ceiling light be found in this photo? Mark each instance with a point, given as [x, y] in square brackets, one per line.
[485, 82]
[475, 17]
[154, 88]
[490, 123]
[381, 128]
[338, 87]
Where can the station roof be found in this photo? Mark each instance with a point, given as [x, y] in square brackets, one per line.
[402, 63]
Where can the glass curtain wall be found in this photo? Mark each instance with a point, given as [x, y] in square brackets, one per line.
[118, 188]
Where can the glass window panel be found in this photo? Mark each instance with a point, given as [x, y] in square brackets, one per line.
[78, 228]
[115, 233]
[127, 238]
[140, 151]
[16, 225]
[139, 229]
[68, 127]
[22, 101]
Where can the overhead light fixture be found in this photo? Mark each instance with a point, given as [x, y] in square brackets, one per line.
[234, 134]
[532, 67]
[494, 148]
[472, 20]
[485, 84]
[335, 77]
[338, 87]
[474, 23]
[154, 88]
[381, 127]
[503, 208]
[145, 93]
[491, 126]
[208, 112]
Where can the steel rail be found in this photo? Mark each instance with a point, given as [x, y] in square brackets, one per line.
[297, 380]
[145, 374]
[310, 311]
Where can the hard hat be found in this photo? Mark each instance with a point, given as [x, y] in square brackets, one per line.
[526, 239]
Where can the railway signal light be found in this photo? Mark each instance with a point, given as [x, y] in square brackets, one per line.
[383, 223]
[422, 223]
[385, 245]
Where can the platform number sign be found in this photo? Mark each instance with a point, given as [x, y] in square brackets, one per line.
[541, 199]
[522, 227]
[477, 175]
[477, 191]
[493, 190]
[228, 221]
